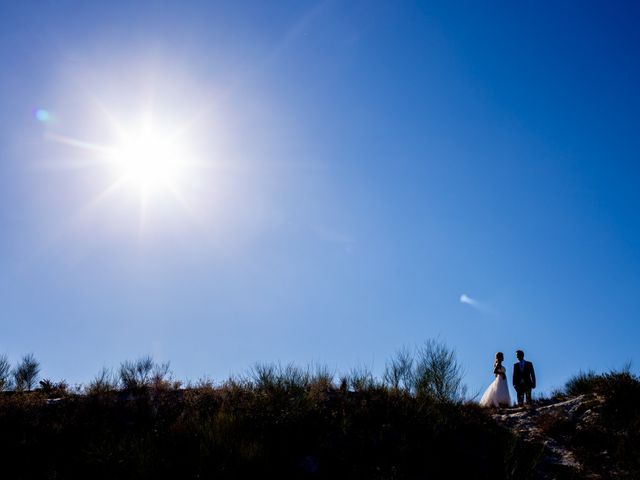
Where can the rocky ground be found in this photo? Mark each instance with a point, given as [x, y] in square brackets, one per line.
[551, 424]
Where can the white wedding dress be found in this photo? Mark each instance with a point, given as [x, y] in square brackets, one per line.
[497, 395]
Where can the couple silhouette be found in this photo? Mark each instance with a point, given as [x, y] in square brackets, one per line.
[523, 380]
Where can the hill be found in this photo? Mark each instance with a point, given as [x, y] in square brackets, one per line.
[287, 422]
[320, 431]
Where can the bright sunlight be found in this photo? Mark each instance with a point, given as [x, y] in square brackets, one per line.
[151, 159]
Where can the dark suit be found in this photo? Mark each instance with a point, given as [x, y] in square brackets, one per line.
[524, 380]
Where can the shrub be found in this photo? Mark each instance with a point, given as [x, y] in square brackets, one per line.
[273, 377]
[241, 434]
[105, 381]
[604, 383]
[5, 373]
[263, 376]
[321, 377]
[26, 373]
[143, 373]
[233, 384]
[161, 377]
[203, 383]
[398, 373]
[54, 389]
[614, 433]
[294, 378]
[361, 379]
[582, 382]
[438, 373]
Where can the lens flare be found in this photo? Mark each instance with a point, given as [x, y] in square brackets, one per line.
[42, 115]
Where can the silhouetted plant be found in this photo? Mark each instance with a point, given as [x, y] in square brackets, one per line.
[293, 378]
[53, 389]
[46, 385]
[398, 373]
[438, 373]
[5, 373]
[592, 382]
[26, 373]
[556, 394]
[582, 382]
[142, 373]
[275, 377]
[289, 422]
[235, 431]
[105, 381]
[203, 383]
[233, 383]
[321, 377]
[161, 377]
[344, 383]
[361, 379]
[615, 431]
[263, 376]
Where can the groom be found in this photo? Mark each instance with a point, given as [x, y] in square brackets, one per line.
[524, 378]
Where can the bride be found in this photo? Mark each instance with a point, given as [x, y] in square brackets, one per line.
[497, 395]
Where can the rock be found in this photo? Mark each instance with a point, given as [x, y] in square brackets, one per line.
[544, 425]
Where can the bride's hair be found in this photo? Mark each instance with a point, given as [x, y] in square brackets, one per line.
[499, 358]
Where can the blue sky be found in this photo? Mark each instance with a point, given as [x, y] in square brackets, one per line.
[360, 166]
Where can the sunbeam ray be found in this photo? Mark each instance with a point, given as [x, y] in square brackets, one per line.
[73, 142]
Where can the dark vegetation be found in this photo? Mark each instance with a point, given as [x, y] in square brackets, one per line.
[281, 421]
[609, 442]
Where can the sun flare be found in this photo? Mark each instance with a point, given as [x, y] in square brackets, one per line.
[150, 159]
[153, 159]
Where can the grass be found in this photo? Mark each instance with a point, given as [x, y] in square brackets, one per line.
[278, 421]
[238, 430]
[613, 436]
[284, 421]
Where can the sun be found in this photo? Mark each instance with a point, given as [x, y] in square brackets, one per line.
[150, 158]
